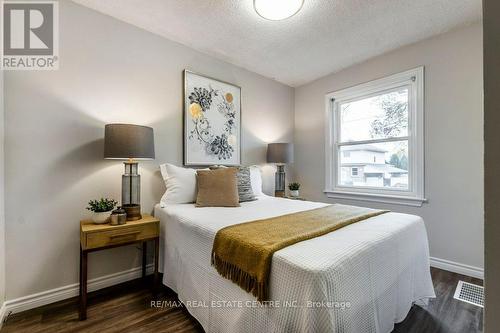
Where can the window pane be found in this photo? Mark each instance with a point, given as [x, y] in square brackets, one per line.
[383, 165]
[382, 116]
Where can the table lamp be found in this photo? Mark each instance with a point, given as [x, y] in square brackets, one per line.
[281, 154]
[131, 143]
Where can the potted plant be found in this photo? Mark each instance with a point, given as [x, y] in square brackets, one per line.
[102, 209]
[294, 189]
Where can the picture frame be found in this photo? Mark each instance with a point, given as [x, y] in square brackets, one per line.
[211, 121]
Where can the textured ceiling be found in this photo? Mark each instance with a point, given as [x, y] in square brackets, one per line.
[324, 37]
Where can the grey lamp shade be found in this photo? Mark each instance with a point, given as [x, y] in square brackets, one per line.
[126, 141]
[280, 153]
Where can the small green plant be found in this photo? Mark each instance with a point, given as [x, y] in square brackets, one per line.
[101, 205]
[294, 186]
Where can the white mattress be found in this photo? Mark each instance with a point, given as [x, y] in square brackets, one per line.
[361, 278]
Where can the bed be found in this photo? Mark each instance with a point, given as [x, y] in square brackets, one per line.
[361, 278]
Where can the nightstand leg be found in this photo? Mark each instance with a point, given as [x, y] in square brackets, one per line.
[156, 275]
[80, 277]
[144, 258]
[83, 285]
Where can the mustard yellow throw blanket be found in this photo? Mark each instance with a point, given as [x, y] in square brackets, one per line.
[243, 252]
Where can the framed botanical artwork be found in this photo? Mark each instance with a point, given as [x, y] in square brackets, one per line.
[212, 121]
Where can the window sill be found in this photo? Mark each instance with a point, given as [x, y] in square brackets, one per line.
[373, 197]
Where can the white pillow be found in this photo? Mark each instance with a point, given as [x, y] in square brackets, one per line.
[256, 180]
[180, 183]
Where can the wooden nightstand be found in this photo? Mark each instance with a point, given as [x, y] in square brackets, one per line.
[96, 237]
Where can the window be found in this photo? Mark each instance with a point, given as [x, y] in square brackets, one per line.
[377, 127]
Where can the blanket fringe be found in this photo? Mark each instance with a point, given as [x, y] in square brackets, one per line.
[246, 281]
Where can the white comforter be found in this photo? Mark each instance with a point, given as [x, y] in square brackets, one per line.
[361, 278]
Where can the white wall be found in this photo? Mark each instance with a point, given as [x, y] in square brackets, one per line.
[453, 139]
[109, 72]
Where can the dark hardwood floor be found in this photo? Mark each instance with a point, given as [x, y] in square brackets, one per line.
[123, 308]
[444, 314]
[127, 308]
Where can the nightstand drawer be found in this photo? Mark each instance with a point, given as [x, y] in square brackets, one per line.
[121, 235]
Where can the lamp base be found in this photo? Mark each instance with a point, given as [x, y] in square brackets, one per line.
[131, 184]
[133, 212]
[279, 184]
[279, 194]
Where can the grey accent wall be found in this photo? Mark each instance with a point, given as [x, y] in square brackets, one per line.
[2, 196]
[491, 8]
[453, 137]
[110, 71]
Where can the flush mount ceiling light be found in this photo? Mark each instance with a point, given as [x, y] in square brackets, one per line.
[277, 9]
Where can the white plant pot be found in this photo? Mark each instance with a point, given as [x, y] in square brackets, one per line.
[101, 217]
[294, 193]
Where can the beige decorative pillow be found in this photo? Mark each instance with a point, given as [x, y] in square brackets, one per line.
[217, 188]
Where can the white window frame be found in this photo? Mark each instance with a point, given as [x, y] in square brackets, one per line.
[412, 79]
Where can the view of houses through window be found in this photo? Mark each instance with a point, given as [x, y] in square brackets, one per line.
[374, 141]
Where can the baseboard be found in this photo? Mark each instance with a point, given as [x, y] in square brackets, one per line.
[72, 290]
[2, 314]
[456, 267]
